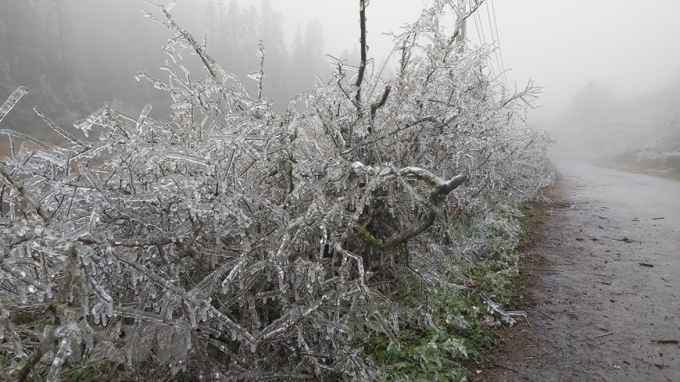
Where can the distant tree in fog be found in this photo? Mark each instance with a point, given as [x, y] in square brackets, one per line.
[594, 100]
[308, 56]
[277, 83]
[59, 26]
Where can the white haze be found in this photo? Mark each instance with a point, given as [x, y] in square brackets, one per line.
[563, 45]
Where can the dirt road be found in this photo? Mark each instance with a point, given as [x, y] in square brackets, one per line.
[603, 283]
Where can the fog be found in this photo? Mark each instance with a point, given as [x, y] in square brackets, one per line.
[235, 176]
[628, 44]
[92, 49]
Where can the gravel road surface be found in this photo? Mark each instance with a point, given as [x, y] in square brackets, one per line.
[601, 283]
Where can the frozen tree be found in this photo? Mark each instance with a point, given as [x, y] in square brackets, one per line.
[232, 242]
[307, 59]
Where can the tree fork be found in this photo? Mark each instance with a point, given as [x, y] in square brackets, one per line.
[440, 190]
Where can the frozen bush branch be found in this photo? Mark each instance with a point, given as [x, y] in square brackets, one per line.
[363, 51]
[257, 238]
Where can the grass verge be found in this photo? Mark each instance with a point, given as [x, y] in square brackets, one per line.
[463, 326]
[634, 167]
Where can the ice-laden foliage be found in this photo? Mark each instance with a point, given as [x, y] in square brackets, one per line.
[662, 154]
[231, 242]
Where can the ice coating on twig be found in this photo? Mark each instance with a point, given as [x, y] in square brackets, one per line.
[11, 101]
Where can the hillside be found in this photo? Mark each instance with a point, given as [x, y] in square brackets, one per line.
[598, 125]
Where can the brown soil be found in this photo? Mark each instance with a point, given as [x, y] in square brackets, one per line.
[601, 284]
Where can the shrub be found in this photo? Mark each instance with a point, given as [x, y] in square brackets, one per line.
[233, 242]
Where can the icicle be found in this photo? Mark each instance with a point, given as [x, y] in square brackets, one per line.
[128, 355]
[156, 83]
[192, 318]
[4, 313]
[59, 130]
[86, 305]
[11, 101]
[142, 119]
[86, 124]
[22, 294]
[63, 352]
[255, 76]
[204, 315]
[51, 157]
[18, 347]
[188, 341]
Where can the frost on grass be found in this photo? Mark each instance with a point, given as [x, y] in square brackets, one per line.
[660, 155]
[231, 241]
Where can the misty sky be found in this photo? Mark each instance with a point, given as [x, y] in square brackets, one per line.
[631, 45]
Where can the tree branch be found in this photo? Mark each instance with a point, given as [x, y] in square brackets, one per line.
[440, 189]
[30, 362]
[465, 16]
[46, 217]
[389, 133]
[364, 51]
[382, 101]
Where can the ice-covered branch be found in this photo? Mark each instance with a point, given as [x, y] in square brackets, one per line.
[26, 194]
[380, 103]
[363, 49]
[11, 101]
[268, 237]
[439, 189]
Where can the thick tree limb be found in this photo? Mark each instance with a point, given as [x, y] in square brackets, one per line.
[381, 102]
[396, 240]
[440, 188]
[444, 188]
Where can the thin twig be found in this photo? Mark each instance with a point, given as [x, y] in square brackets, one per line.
[603, 335]
[666, 341]
[46, 217]
[30, 362]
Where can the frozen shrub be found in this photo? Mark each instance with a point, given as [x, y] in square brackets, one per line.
[232, 242]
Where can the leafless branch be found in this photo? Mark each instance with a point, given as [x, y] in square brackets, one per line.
[364, 52]
[377, 105]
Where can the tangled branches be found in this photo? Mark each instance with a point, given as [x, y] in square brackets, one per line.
[232, 242]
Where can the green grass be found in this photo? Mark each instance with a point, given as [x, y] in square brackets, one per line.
[463, 320]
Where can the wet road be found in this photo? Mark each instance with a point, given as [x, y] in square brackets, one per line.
[606, 284]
